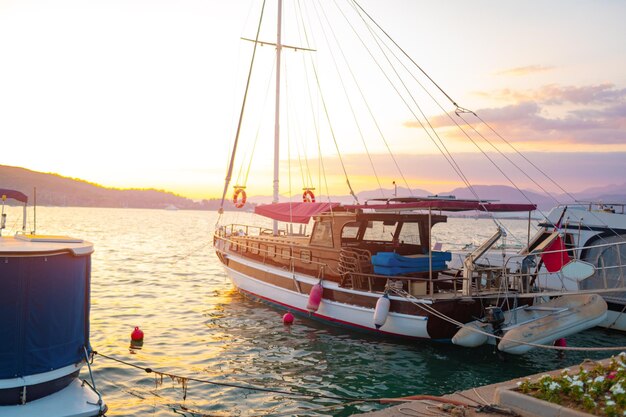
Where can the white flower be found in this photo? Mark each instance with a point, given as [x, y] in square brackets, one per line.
[519, 383]
[610, 403]
[577, 384]
[554, 386]
[576, 377]
[599, 379]
[617, 389]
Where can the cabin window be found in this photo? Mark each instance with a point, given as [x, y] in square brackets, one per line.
[254, 248]
[380, 232]
[244, 247]
[350, 231]
[410, 233]
[271, 251]
[322, 234]
[285, 253]
[305, 256]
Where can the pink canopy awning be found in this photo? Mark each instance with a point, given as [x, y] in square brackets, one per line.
[16, 195]
[447, 205]
[293, 212]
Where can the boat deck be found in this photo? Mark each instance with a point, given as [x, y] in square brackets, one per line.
[21, 244]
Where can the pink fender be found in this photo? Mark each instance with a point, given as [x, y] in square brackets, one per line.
[315, 298]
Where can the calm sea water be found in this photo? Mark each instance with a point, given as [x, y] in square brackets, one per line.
[157, 269]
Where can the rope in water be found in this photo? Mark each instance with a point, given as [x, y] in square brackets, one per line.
[185, 379]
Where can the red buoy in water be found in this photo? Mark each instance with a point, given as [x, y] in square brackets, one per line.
[136, 335]
[288, 318]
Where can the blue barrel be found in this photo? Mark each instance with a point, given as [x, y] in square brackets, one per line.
[44, 312]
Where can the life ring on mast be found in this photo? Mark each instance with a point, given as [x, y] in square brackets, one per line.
[239, 203]
[308, 196]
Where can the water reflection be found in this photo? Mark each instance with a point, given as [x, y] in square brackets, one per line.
[156, 269]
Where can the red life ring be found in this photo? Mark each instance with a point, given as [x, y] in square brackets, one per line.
[236, 202]
[308, 196]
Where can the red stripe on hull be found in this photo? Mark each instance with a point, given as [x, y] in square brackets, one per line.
[327, 318]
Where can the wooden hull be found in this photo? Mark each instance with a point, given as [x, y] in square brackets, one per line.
[352, 308]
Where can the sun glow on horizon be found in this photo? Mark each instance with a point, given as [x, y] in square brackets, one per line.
[148, 96]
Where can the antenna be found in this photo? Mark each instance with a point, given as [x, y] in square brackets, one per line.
[34, 211]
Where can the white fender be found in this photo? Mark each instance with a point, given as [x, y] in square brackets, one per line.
[382, 311]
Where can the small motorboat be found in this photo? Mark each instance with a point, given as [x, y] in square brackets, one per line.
[516, 331]
[45, 286]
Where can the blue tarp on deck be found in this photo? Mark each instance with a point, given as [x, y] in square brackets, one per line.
[44, 313]
[390, 263]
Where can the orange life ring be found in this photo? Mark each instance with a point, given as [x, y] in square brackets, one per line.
[308, 196]
[236, 202]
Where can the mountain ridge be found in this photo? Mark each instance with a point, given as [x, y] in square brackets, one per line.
[57, 190]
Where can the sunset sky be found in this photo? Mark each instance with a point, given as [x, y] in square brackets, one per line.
[138, 93]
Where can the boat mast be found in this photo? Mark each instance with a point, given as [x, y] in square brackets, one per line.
[277, 111]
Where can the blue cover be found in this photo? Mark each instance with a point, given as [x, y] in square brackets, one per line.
[390, 263]
[44, 313]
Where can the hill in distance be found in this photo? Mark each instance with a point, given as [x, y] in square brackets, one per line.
[56, 190]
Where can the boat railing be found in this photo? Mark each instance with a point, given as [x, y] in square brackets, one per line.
[604, 268]
[601, 206]
[243, 230]
[274, 252]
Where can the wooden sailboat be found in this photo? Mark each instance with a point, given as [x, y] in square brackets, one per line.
[368, 266]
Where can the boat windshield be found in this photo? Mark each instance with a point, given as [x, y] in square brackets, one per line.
[390, 235]
[609, 257]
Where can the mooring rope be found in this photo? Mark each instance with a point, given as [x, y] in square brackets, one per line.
[185, 379]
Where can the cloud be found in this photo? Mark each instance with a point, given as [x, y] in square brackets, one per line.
[586, 115]
[553, 94]
[520, 71]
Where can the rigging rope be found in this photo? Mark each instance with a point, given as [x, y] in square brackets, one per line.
[405, 54]
[322, 167]
[544, 174]
[243, 106]
[444, 152]
[460, 109]
[352, 110]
